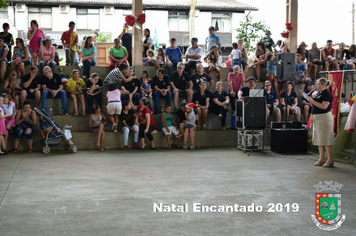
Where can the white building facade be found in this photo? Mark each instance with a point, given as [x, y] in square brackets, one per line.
[164, 18]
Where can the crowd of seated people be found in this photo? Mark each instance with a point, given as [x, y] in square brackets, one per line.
[126, 92]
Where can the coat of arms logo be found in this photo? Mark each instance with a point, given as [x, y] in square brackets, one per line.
[328, 206]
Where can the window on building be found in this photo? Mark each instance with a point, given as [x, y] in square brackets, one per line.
[87, 19]
[221, 22]
[178, 21]
[3, 13]
[127, 12]
[42, 15]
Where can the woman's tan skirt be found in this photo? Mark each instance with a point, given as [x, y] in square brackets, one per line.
[323, 129]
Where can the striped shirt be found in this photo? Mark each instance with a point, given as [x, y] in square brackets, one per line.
[113, 76]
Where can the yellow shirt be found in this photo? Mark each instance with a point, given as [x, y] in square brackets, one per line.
[75, 86]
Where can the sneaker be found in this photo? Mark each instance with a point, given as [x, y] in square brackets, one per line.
[135, 146]
[126, 148]
[115, 130]
[220, 117]
[113, 127]
[65, 113]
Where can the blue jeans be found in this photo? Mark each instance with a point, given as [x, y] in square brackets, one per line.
[61, 94]
[235, 62]
[97, 97]
[170, 68]
[136, 98]
[19, 130]
[220, 110]
[86, 67]
[126, 134]
[157, 95]
[43, 64]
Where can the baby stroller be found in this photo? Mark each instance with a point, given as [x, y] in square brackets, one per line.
[54, 133]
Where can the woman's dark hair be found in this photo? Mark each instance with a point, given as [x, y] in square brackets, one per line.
[149, 32]
[34, 22]
[263, 46]
[26, 102]
[145, 72]
[112, 87]
[21, 41]
[289, 83]
[146, 101]
[353, 53]
[86, 42]
[125, 104]
[93, 108]
[123, 66]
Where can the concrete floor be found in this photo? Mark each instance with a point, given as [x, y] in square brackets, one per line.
[112, 193]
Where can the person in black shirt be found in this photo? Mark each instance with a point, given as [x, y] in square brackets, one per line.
[53, 88]
[129, 122]
[245, 90]
[126, 39]
[132, 86]
[179, 81]
[268, 41]
[32, 86]
[94, 87]
[199, 77]
[161, 88]
[8, 39]
[220, 103]
[202, 101]
[180, 113]
[323, 122]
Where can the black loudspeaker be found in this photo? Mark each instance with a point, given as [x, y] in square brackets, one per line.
[290, 124]
[251, 113]
[285, 66]
[289, 140]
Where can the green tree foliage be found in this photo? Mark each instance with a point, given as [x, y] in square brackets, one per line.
[3, 4]
[251, 32]
[103, 37]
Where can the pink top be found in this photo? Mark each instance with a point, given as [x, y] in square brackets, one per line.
[47, 54]
[35, 41]
[114, 95]
[236, 81]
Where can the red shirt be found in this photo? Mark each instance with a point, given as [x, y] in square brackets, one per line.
[329, 53]
[142, 116]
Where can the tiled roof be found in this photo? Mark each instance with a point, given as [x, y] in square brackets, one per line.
[232, 5]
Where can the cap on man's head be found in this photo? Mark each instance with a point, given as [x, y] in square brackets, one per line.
[267, 83]
[311, 83]
[211, 28]
[194, 39]
[268, 32]
[250, 78]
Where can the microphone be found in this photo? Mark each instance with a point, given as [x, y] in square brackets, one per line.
[311, 92]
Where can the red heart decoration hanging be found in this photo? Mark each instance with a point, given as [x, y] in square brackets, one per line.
[130, 20]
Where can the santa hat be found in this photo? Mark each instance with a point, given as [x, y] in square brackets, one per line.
[190, 105]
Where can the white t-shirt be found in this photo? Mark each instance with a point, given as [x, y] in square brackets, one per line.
[235, 53]
[149, 40]
[198, 51]
[151, 58]
[7, 109]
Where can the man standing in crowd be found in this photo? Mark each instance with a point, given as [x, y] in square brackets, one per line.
[53, 88]
[212, 39]
[161, 88]
[126, 39]
[200, 77]
[32, 86]
[193, 55]
[179, 81]
[69, 41]
[268, 41]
